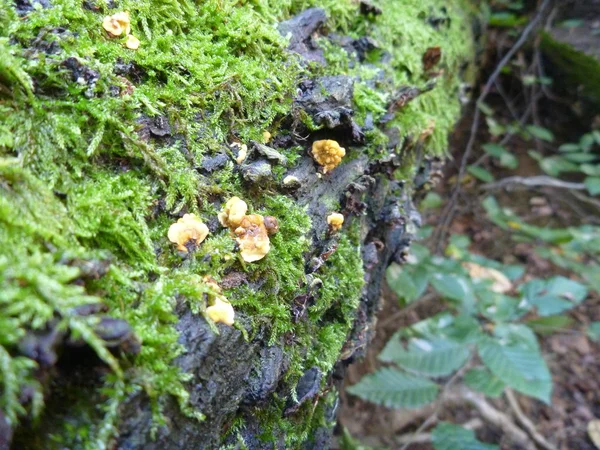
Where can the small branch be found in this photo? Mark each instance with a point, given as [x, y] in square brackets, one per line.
[538, 181]
[527, 424]
[491, 415]
[449, 210]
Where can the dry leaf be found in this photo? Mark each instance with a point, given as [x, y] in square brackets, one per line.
[501, 283]
[594, 432]
[431, 57]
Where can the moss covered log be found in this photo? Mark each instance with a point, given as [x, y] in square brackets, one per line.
[105, 341]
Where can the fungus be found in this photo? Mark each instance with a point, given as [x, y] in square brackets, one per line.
[328, 154]
[116, 24]
[291, 180]
[221, 311]
[242, 152]
[233, 213]
[271, 224]
[253, 238]
[266, 137]
[188, 229]
[132, 42]
[335, 221]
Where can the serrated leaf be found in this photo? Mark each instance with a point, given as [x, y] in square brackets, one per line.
[481, 174]
[594, 331]
[540, 132]
[432, 357]
[553, 296]
[519, 367]
[592, 184]
[394, 389]
[447, 436]
[407, 282]
[482, 380]
[454, 287]
[432, 200]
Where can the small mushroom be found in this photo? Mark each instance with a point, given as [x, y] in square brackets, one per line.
[221, 311]
[266, 137]
[242, 150]
[253, 238]
[233, 213]
[132, 42]
[271, 224]
[117, 24]
[328, 154]
[291, 180]
[188, 229]
[335, 221]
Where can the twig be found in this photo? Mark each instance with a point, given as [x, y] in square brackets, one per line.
[491, 415]
[537, 181]
[407, 309]
[527, 424]
[449, 210]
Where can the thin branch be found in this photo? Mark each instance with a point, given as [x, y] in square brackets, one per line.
[527, 424]
[491, 415]
[449, 210]
[537, 181]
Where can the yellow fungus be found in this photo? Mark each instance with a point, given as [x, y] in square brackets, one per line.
[231, 216]
[253, 238]
[221, 311]
[328, 154]
[132, 42]
[117, 24]
[266, 137]
[188, 229]
[335, 221]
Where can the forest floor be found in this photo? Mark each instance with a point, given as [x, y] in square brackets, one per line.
[571, 355]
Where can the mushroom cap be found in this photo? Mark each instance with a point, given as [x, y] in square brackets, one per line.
[232, 214]
[221, 311]
[328, 154]
[252, 237]
[335, 220]
[117, 23]
[132, 42]
[188, 228]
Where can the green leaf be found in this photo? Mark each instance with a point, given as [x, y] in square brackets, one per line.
[482, 380]
[580, 157]
[447, 436]
[481, 174]
[431, 201]
[594, 331]
[569, 148]
[454, 287]
[555, 165]
[432, 357]
[506, 158]
[549, 324]
[408, 282]
[593, 185]
[394, 389]
[519, 367]
[553, 296]
[540, 133]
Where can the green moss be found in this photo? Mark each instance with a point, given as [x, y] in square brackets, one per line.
[579, 67]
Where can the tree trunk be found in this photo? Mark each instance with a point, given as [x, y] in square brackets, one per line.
[104, 147]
